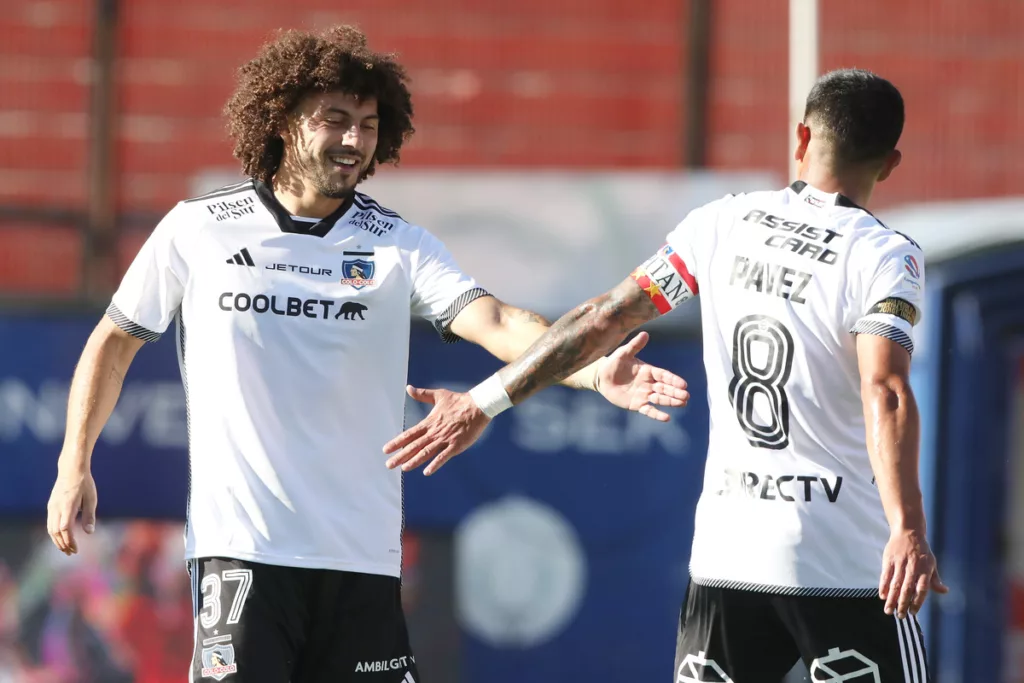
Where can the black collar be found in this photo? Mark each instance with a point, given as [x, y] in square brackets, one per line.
[284, 218]
[841, 199]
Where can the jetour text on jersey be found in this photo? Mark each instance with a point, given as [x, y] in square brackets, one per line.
[809, 243]
[785, 487]
[290, 306]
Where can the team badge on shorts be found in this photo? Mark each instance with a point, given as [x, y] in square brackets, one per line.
[847, 666]
[219, 661]
[699, 669]
[358, 271]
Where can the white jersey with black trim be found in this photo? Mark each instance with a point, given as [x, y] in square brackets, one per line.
[787, 280]
[293, 345]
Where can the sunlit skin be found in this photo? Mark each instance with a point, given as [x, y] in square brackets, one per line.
[329, 143]
[816, 166]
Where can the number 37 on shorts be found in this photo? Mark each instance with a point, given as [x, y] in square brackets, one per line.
[219, 599]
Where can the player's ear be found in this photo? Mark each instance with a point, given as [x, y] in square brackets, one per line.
[891, 162]
[803, 139]
[285, 131]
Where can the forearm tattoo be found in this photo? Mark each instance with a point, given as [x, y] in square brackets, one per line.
[577, 339]
[526, 316]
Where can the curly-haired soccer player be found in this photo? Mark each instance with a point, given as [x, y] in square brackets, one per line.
[292, 294]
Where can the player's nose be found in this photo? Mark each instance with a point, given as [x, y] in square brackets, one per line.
[353, 137]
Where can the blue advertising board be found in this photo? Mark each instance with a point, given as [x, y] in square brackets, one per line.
[571, 519]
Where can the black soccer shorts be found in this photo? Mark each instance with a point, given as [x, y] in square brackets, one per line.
[258, 623]
[737, 636]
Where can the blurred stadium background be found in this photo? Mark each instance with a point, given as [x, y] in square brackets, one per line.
[557, 142]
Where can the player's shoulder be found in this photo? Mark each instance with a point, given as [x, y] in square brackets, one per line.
[365, 202]
[219, 204]
[386, 221]
[730, 200]
[871, 236]
[878, 248]
[225, 193]
[708, 213]
[755, 197]
[742, 203]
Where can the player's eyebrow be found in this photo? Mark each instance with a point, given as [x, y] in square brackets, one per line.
[346, 112]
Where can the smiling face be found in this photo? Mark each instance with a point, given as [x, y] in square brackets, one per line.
[331, 139]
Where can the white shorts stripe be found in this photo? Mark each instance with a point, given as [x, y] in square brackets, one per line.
[911, 650]
[912, 647]
[918, 641]
[903, 653]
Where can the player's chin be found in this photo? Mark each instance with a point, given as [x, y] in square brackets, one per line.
[339, 186]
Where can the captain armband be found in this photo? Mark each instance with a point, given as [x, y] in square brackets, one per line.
[666, 280]
[898, 307]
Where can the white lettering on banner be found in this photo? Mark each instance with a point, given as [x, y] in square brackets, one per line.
[559, 420]
[21, 408]
[156, 410]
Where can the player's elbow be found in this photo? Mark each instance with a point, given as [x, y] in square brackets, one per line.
[887, 393]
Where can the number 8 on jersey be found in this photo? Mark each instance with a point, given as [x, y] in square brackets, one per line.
[762, 359]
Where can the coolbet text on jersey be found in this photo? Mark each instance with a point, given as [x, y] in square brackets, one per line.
[787, 280]
[293, 346]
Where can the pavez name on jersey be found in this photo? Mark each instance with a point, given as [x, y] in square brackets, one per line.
[293, 344]
[788, 279]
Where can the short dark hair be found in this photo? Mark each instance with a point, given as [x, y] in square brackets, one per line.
[300, 62]
[859, 113]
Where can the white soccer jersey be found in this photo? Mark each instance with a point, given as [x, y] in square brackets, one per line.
[787, 280]
[293, 345]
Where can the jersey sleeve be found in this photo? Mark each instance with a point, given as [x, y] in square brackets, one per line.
[671, 276]
[439, 289]
[892, 293]
[151, 290]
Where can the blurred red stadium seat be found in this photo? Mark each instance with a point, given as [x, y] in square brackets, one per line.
[594, 84]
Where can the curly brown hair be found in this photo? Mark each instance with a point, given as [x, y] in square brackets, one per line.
[299, 62]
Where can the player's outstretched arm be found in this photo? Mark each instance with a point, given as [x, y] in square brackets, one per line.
[579, 338]
[506, 332]
[95, 388]
[893, 426]
[576, 340]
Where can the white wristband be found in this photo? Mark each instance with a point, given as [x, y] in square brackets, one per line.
[490, 396]
[597, 371]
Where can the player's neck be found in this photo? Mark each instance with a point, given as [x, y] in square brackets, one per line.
[853, 185]
[299, 198]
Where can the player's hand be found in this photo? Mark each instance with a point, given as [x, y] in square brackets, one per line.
[630, 383]
[454, 423]
[73, 492]
[909, 570]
